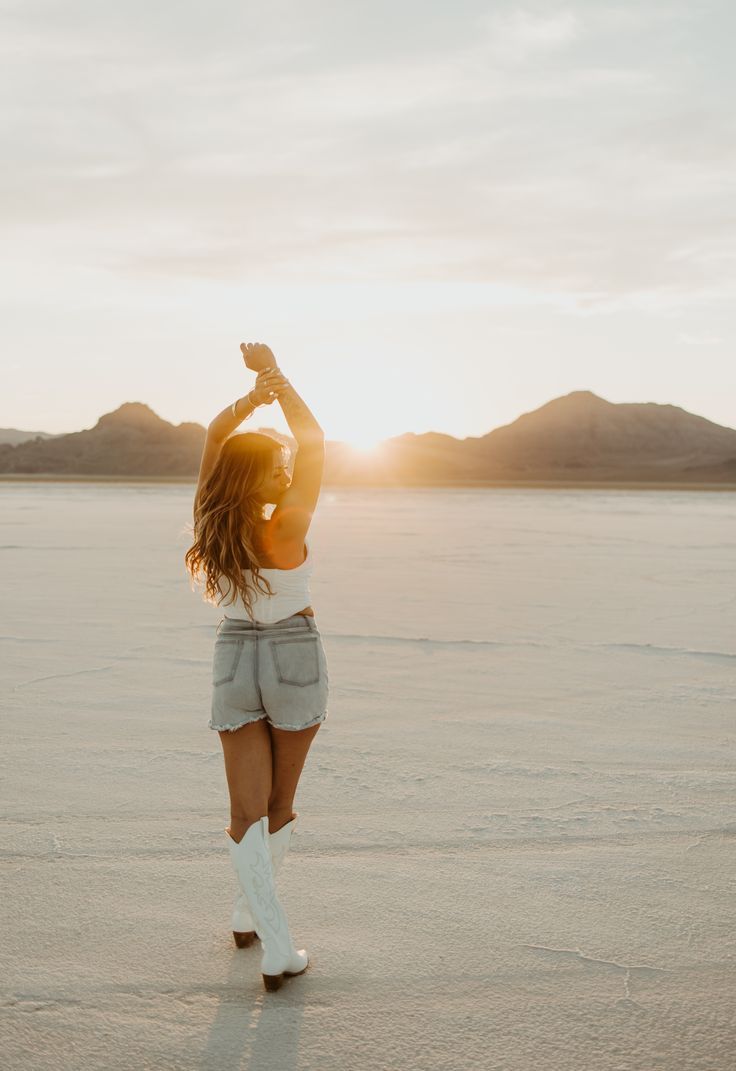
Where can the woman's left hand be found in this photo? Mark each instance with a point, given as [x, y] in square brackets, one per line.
[269, 384]
[257, 356]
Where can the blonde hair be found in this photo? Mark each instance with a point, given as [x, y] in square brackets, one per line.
[225, 515]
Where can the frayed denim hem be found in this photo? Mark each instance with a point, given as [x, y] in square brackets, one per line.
[232, 728]
[289, 728]
[308, 725]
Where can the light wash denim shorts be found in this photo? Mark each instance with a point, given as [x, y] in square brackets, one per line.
[276, 671]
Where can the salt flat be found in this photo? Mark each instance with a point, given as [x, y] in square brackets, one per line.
[517, 831]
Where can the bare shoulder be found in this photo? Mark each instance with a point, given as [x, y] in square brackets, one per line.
[279, 550]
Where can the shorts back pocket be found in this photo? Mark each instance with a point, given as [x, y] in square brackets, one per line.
[225, 660]
[296, 659]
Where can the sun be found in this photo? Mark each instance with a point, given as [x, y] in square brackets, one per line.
[364, 444]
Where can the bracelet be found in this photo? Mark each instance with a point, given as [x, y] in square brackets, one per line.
[233, 407]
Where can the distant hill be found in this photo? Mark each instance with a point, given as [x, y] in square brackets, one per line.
[130, 441]
[576, 438]
[13, 436]
[581, 432]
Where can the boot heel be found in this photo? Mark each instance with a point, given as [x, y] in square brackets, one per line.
[273, 982]
[244, 940]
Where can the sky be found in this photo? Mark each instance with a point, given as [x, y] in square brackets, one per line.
[439, 216]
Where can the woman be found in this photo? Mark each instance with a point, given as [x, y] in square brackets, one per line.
[270, 679]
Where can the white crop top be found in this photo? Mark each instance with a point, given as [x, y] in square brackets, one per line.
[290, 588]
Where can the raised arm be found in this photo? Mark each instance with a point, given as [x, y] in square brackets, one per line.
[264, 393]
[292, 516]
[302, 422]
[231, 417]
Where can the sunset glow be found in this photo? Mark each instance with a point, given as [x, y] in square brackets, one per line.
[364, 443]
[439, 218]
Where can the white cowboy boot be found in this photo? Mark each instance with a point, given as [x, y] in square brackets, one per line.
[252, 861]
[244, 930]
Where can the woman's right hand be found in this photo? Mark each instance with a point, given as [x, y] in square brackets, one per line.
[269, 384]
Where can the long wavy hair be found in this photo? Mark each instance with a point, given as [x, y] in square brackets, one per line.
[225, 515]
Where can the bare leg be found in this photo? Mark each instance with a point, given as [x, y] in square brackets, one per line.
[289, 749]
[248, 766]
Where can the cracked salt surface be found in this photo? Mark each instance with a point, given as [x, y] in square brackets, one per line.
[516, 829]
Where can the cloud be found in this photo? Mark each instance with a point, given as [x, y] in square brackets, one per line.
[517, 34]
[535, 146]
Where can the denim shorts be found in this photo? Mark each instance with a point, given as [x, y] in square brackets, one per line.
[276, 671]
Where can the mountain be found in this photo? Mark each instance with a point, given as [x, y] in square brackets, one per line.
[576, 438]
[582, 432]
[131, 441]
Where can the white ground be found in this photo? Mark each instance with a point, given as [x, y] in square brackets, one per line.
[517, 831]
